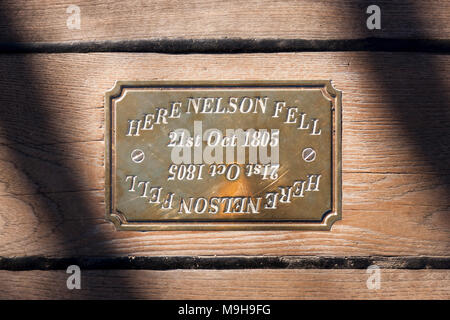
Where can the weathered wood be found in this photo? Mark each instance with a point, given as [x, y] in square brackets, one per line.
[59, 98]
[301, 19]
[382, 215]
[395, 154]
[227, 284]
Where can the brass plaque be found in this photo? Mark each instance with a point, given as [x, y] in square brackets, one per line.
[223, 155]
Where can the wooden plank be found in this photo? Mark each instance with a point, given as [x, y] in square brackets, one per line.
[405, 215]
[227, 284]
[45, 21]
[51, 154]
[50, 165]
[59, 97]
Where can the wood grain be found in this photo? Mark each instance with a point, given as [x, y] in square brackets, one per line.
[396, 177]
[45, 21]
[227, 284]
[399, 219]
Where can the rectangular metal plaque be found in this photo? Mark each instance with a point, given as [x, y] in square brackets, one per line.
[223, 155]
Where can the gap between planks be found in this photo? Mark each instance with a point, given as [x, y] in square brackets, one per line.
[230, 46]
[222, 263]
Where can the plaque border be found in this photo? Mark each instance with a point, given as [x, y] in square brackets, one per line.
[328, 218]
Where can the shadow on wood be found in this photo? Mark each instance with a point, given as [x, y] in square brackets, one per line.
[23, 137]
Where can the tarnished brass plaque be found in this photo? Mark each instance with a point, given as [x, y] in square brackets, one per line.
[223, 155]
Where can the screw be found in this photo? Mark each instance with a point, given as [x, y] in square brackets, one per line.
[309, 154]
[137, 155]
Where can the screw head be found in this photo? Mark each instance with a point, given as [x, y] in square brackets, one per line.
[309, 154]
[137, 155]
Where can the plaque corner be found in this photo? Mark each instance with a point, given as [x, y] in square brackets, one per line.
[116, 220]
[115, 89]
[331, 218]
[332, 90]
